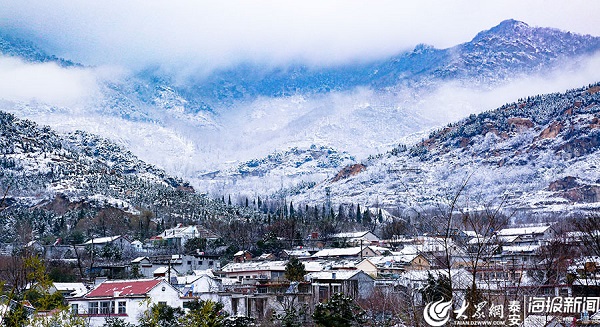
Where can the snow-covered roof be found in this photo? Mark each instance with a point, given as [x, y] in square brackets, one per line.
[523, 230]
[339, 252]
[301, 253]
[471, 233]
[139, 259]
[508, 239]
[520, 248]
[254, 266]
[350, 234]
[164, 270]
[102, 240]
[187, 232]
[188, 279]
[76, 289]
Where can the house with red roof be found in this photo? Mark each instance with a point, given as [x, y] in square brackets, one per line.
[125, 299]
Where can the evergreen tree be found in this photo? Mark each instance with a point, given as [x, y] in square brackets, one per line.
[367, 216]
[294, 270]
[292, 212]
[358, 214]
[339, 311]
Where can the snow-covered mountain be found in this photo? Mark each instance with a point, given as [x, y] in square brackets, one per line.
[538, 155]
[195, 124]
[509, 49]
[57, 184]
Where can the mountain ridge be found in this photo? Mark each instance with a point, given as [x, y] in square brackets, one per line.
[538, 155]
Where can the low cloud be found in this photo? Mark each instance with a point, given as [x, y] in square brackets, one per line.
[45, 83]
[191, 36]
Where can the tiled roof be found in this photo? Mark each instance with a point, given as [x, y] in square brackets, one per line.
[124, 288]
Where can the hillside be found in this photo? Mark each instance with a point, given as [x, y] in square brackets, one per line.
[538, 155]
[62, 184]
[283, 172]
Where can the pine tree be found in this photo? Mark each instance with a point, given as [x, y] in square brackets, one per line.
[292, 212]
[358, 214]
[367, 216]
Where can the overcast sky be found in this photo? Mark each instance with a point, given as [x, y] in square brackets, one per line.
[209, 34]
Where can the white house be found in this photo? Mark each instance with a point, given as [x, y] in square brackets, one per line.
[357, 237]
[126, 299]
[184, 263]
[179, 235]
[201, 282]
[355, 252]
[526, 235]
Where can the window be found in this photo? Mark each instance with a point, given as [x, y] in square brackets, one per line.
[162, 303]
[74, 308]
[189, 262]
[210, 263]
[200, 262]
[122, 307]
[105, 307]
[335, 288]
[93, 308]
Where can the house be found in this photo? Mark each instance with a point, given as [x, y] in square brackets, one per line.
[183, 263]
[255, 270]
[118, 242]
[7, 304]
[266, 257]
[125, 299]
[265, 270]
[167, 273]
[68, 290]
[138, 246]
[298, 253]
[354, 283]
[368, 267]
[355, 252]
[141, 267]
[179, 235]
[398, 263]
[200, 283]
[356, 238]
[526, 235]
[242, 256]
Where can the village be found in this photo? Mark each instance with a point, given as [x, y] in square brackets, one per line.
[385, 277]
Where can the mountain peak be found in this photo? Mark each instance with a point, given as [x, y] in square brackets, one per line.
[506, 27]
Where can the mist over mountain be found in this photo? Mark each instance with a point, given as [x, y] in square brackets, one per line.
[200, 126]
